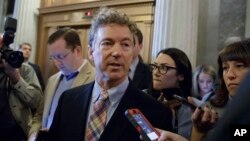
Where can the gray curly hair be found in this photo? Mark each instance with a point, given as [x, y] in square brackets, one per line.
[107, 16]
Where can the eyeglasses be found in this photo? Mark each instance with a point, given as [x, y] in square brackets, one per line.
[59, 56]
[162, 69]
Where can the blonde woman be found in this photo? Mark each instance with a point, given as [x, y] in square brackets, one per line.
[204, 80]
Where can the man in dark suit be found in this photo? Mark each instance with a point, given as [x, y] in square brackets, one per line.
[111, 43]
[139, 72]
[26, 49]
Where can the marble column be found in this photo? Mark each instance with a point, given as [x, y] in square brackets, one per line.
[3, 8]
[247, 32]
[175, 25]
[160, 35]
[26, 13]
[232, 20]
[183, 27]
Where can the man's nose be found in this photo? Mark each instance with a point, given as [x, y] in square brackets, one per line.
[57, 61]
[116, 50]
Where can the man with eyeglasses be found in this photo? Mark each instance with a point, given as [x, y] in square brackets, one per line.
[65, 51]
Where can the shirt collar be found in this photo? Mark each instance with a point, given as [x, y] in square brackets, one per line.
[78, 70]
[115, 93]
[83, 63]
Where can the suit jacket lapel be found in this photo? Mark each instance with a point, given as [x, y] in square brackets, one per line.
[72, 115]
[84, 75]
[139, 74]
[114, 125]
[80, 121]
[49, 94]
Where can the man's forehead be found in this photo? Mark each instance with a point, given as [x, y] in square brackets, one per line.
[109, 31]
[26, 46]
[114, 26]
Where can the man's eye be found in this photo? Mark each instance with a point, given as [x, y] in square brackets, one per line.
[126, 45]
[59, 57]
[106, 43]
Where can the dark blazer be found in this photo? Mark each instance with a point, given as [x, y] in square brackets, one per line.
[71, 115]
[38, 74]
[142, 77]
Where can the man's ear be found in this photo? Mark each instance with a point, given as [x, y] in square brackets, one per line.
[79, 50]
[140, 46]
[90, 53]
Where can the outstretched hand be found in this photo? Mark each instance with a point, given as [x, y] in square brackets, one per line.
[204, 118]
[169, 136]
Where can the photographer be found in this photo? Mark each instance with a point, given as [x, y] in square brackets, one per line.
[19, 93]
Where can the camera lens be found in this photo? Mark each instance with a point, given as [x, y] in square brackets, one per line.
[14, 58]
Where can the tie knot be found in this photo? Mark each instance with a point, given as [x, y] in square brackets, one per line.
[71, 76]
[104, 94]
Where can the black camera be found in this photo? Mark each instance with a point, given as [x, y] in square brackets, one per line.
[14, 58]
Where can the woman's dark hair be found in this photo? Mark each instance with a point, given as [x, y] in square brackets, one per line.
[183, 66]
[238, 51]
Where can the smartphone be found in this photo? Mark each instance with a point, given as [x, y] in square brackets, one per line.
[184, 101]
[142, 125]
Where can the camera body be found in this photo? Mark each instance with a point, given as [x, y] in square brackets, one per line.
[14, 58]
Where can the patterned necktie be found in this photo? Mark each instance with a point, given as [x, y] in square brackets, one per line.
[98, 119]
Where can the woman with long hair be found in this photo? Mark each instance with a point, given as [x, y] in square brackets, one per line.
[172, 74]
